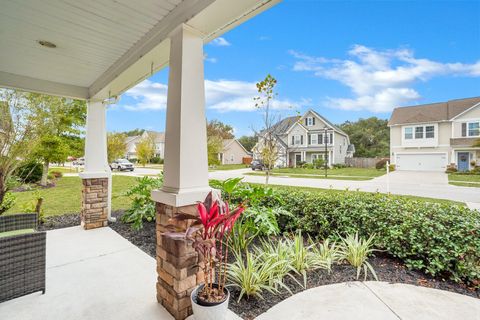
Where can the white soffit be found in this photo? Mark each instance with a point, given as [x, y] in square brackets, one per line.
[103, 47]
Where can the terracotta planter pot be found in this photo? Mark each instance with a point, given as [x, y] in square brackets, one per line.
[209, 311]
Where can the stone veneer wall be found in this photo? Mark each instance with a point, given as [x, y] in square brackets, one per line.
[94, 203]
[177, 264]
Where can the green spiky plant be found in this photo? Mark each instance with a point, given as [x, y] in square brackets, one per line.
[325, 254]
[356, 251]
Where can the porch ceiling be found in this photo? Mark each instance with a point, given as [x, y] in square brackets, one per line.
[102, 47]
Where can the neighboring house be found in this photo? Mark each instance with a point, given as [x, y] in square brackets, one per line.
[302, 139]
[158, 138]
[431, 136]
[233, 152]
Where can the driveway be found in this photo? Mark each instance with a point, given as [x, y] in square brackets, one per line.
[422, 184]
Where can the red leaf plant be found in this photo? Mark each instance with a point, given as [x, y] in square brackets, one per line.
[210, 232]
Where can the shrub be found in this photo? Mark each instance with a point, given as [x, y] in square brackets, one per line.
[156, 160]
[56, 174]
[391, 167]
[319, 163]
[382, 163]
[441, 239]
[29, 172]
[451, 168]
[301, 164]
[8, 201]
[143, 207]
[339, 165]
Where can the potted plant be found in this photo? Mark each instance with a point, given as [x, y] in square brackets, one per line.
[209, 233]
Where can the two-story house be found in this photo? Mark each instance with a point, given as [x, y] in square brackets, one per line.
[157, 137]
[431, 136]
[305, 138]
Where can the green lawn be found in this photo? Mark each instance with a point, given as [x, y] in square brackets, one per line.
[338, 174]
[318, 190]
[464, 180]
[66, 196]
[65, 169]
[228, 167]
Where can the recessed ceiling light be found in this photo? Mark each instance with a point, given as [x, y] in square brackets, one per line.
[47, 44]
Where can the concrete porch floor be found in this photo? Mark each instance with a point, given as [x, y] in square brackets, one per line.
[98, 274]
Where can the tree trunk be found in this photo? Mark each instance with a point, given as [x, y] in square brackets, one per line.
[267, 176]
[43, 182]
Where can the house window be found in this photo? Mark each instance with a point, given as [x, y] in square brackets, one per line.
[320, 138]
[331, 138]
[408, 133]
[418, 132]
[310, 121]
[474, 129]
[429, 132]
[297, 139]
[314, 138]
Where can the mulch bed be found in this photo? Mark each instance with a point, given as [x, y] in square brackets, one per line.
[388, 269]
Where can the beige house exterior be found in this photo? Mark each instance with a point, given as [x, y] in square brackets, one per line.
[305, 138]
[233, 152]
[158, 138]
[430, 137]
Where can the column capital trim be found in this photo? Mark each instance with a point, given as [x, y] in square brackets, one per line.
[94, 175]
[188, 28]
[184, 198]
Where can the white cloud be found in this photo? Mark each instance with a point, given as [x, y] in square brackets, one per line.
[220, 42]
[222, 95]
[379, 79]
[208, 59]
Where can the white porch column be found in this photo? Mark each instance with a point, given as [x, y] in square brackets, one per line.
[185, 171]
[97, 176]
[186, 163]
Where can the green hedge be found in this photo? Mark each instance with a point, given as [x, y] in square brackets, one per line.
[441, 239]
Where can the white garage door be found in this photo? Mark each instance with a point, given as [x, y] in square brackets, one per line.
[421, 161]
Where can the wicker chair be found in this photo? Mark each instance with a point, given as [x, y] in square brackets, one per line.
[22, 257]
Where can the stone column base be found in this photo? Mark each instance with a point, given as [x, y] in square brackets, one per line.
[177, 264]
[94, 213]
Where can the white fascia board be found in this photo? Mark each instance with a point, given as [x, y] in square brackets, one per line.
[14, 81]
[210, 18]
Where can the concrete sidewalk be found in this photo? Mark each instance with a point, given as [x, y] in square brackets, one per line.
[374, 300]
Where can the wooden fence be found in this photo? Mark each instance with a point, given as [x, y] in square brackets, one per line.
[362, 162]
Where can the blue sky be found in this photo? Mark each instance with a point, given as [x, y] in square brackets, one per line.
[345, 59]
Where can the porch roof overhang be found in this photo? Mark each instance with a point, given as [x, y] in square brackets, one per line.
[103, 48]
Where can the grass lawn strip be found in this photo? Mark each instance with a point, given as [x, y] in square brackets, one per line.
[228, 167]
[65, 197]
[464, 180]
[311, 176]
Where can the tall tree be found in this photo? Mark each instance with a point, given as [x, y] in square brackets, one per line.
[59, 121]
[134, 132]
[248, 142]
[371, 137]
[116, 145]
[214, 147]
[267, 141]
[145, 150]
[218, 128]
[18, 137]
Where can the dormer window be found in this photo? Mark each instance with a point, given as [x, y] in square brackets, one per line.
[309, 121]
